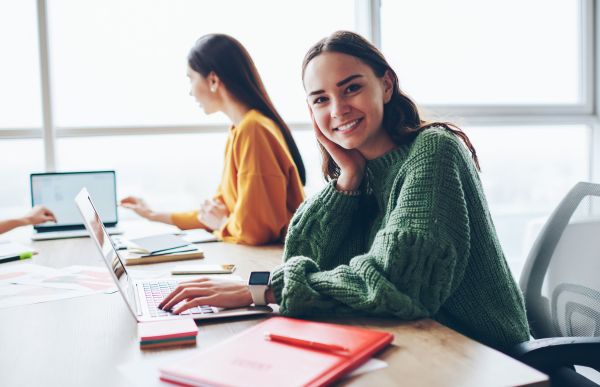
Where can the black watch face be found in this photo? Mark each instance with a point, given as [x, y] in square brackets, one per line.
[259, 278]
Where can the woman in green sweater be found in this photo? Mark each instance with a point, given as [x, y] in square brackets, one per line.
[401, 230]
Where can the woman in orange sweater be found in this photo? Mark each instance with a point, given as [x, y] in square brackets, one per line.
[263, 175]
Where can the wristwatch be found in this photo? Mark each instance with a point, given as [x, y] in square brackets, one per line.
[259, 282]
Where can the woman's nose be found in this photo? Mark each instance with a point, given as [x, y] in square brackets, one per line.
[339, 108]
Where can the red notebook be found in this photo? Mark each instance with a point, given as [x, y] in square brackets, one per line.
[250, 358]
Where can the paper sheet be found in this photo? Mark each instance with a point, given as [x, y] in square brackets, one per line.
[13, 271]
[82, 278]
[16, 295]
[23, 283]
[198, 236]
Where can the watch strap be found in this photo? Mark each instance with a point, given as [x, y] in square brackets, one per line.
[258, 294]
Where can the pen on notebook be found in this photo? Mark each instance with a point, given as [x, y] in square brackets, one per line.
[25, 255]
[305, 343]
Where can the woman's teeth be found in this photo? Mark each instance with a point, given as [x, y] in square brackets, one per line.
[347, 126]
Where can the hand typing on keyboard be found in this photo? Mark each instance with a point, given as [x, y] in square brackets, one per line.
[155, 292]
[207, 291]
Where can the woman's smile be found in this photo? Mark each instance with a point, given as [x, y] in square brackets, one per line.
[348, 126]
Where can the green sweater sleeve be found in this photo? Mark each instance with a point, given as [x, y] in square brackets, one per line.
[417, 257]
[324, 235]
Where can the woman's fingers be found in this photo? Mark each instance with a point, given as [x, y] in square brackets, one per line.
[179, 289]
[226, 294]
[49, 214]
[192, 304]
[185, 293]
[130, 201]
[49, 217]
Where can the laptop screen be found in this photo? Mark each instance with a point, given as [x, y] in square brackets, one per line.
[57, 190]
[98, 233]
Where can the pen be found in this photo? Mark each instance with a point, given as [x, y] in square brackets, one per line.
[305, 343]
[25, 255]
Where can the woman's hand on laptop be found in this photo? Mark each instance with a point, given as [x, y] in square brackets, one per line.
[208, 291]
[39, 214]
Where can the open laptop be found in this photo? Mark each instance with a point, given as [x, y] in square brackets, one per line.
[143, 297]
[56, 191]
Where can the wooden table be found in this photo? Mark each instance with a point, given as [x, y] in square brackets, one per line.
[82, 341]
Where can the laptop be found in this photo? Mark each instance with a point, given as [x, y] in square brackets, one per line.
[56, 191]
[143, 297]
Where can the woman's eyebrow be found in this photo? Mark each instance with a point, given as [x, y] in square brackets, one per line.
[346, 80]
[340, 83]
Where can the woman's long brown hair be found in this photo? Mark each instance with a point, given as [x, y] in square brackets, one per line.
[235, 68]
[401, 117]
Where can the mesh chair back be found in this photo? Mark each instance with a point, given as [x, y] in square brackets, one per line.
[561, 277]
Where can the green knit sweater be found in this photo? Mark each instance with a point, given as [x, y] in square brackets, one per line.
[421, 244]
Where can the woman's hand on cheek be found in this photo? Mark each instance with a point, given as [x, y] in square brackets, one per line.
[351, 161]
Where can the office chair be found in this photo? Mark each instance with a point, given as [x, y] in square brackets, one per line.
[561, 286]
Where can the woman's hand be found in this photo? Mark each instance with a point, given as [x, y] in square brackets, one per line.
[207, 291]
[138, 205]
[213, 214]
[351, 162]
[39, 214]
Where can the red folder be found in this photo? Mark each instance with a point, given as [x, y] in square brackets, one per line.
[249, 358]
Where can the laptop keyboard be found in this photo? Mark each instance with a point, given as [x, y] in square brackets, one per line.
[156, 291]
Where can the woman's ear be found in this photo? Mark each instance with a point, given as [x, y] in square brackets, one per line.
[388, 86]
[213, 81]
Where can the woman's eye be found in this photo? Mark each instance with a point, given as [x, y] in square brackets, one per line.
[352, 88]
[319, 100]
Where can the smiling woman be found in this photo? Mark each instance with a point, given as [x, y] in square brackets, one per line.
[360, 81]
[403, 227]
[339, 106]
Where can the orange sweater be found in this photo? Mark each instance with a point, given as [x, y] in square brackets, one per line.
[260, 184]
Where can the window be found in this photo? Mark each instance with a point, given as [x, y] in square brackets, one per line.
[172, 172]
[526, 171]
[517, 76]
[120, 63]
[20, 102]
[485, 53]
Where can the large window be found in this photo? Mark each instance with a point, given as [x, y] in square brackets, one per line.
[486, 52]
[123, 63]
[517, 76]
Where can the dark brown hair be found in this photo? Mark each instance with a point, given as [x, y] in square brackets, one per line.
[229, 60]
[401, 117]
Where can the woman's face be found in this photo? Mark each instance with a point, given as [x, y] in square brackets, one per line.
[200, 89]
[347, 99]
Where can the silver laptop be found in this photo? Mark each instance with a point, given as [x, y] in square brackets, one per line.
[56, 191]
[143, 297]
